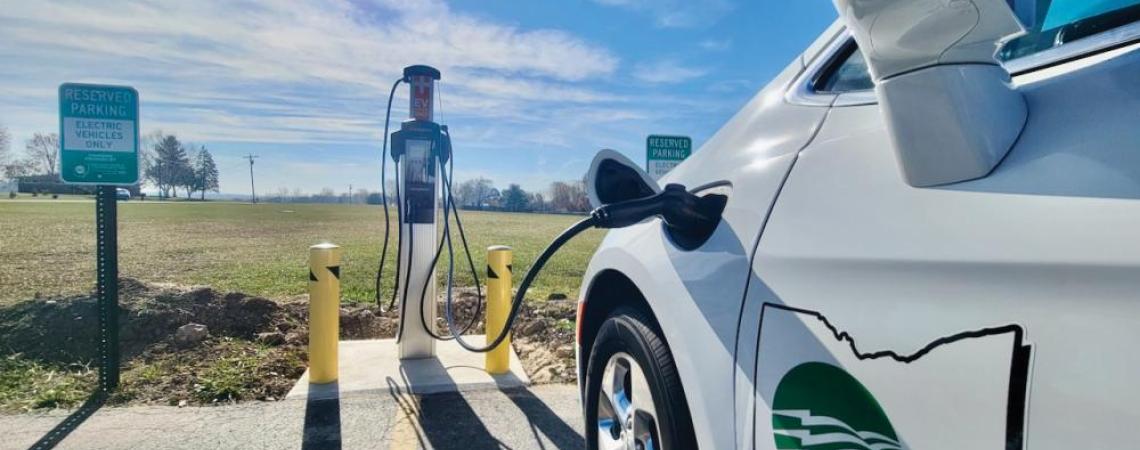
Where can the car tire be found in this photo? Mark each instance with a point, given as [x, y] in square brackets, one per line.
[627, 353]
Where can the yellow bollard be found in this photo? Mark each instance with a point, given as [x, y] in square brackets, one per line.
[498, 307]
[324, 312]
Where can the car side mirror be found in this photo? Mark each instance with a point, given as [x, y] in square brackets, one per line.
[950, 108]
[614, 178]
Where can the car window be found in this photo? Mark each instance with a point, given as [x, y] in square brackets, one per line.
[848, 73]
[1052, 23]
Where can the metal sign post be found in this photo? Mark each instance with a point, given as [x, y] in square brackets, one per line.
[107, 267]
[663, 153]
[99, 143]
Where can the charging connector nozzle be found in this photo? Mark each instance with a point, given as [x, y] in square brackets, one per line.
[683, 212]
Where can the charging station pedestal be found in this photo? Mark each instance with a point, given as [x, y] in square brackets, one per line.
[420, 225]
[418, 144]
[415, 343]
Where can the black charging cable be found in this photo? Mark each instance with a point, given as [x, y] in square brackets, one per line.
[680, 210]
[384, 202]
[449, 208]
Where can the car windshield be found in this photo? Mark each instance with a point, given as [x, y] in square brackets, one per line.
[1051, 23]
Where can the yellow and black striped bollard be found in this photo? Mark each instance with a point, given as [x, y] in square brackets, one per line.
[498, 360]
[324, 312]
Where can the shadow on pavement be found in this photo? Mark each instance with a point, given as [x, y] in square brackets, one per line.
[542, 419]
[322, 419]
[447, 421]
[71, 422]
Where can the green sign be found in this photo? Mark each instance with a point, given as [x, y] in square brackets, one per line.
[98, 134]
[663, 153]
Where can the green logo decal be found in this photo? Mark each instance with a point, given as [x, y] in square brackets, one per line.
[821, 407]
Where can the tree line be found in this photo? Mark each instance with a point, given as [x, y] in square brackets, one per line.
[475, 194]
[172, 166]
[562, 197]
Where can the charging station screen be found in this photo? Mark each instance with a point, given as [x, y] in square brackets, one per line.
[418, 160]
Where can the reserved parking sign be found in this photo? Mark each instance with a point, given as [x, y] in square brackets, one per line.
[663, 153]
[98, 134]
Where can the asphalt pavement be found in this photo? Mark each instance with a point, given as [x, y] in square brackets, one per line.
[540, 417]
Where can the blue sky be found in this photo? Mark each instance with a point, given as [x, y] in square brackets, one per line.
[530, 89]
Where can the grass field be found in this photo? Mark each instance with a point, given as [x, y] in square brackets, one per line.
[47, 247]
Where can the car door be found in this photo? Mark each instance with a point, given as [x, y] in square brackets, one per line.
[998, 311]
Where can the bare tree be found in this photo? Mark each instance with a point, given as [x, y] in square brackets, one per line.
[147, 143]
[5, 145]
[43, 150]
[283, 195]
[8, 168]
[537, 202]
[17, 168]
[569, 196]
[474, 192]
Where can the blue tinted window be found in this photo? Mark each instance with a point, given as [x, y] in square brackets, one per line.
[1064, 12]
[1055, 22]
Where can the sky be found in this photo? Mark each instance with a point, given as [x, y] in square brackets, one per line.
[530, 89]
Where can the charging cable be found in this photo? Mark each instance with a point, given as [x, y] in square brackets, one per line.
[680, 210]
[384, 202]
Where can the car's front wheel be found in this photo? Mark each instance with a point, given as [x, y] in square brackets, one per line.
[634, 398]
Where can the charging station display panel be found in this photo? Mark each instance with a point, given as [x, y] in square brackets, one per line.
[419, 173]
[419, 164]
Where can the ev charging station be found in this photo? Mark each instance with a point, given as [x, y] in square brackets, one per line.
[418, 148]
[428, 361]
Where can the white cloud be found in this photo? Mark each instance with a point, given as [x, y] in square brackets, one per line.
[716, 45]
[676, 13]
[316, 75]
[732, 85]
[667, 71]
[263, 65]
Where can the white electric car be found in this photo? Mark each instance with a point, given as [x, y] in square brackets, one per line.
[925, 246]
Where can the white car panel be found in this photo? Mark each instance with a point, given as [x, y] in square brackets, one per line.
[905, 36]
[1047, 243]
[697, 295]
[1012, 295]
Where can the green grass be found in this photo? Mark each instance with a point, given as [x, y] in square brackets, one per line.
[227, 379]
[48, 248]
[26, 385]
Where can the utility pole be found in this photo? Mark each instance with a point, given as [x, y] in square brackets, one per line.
[350, 194]
[252, 191]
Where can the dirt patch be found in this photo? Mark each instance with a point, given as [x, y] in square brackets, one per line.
[254, 349]
[544, 340]
[64, 330]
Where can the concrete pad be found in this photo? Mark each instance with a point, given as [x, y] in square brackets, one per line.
[370, 367]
